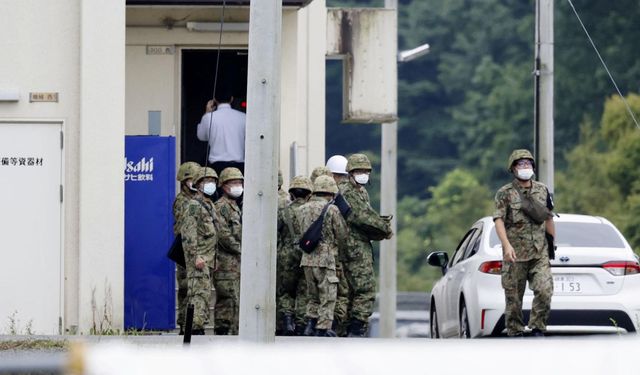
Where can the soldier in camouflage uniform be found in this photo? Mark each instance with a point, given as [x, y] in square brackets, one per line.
[320, 171]
[524, 246]
[185, 175]
[291, 295]
[337, 164]
[320, 265]
[365, 225]
[199, 238]
[227, 275]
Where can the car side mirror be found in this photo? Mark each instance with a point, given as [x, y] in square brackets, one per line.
[438, 259]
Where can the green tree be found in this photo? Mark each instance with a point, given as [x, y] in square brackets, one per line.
[437, 224]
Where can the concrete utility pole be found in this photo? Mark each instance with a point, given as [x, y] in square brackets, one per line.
[388, 203]
[543, 110]
[258, 270]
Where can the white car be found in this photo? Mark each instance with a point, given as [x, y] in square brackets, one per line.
[596, 279]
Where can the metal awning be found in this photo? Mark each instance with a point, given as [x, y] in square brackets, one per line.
[289, 3]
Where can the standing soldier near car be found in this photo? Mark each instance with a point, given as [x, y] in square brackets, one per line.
[521, 229]
[291, 294]
[365, 225]
[199, 238]
[185, 175]
[227, 275]
[320, 264]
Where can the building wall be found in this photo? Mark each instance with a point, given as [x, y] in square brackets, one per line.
[64, 47]
[153, 81]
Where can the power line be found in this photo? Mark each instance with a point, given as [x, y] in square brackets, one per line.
[633, 117]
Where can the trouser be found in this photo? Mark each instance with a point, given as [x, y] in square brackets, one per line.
[199, 294]
[322, 285]
[341, 312]
[289, 282]
[358, 268]
[514, 280]
[227, 309]
[219, 166]
[183, 290]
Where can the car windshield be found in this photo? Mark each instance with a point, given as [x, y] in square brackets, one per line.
[578, 235]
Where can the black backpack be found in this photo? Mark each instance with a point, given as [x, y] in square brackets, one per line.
[312, 237]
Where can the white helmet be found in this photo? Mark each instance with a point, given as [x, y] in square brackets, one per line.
[337, 164]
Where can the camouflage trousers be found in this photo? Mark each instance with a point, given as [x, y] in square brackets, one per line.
[290, 285]
[181, 278]
[227, 309]
[514, 280]
[322, 285]
[358, 268]
[199, 294]
[341, 312]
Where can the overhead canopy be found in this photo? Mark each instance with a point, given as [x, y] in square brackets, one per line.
[295, 3]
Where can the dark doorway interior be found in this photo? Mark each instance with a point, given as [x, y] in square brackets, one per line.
[198, 74]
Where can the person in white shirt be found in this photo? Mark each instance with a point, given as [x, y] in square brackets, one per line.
[224, 128]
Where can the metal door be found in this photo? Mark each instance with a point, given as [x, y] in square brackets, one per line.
[31, 227]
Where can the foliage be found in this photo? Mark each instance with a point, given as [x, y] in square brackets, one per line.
[437, 224]
[469, 102]
[602, 177]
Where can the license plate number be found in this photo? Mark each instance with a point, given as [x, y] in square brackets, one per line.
[567, 284]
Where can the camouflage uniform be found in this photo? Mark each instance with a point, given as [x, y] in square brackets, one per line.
[365, 225]
[227, 275]
[532, 259]
[199, 237]
[290, 283]
[186, 171]
[341, 312]
[320, 265]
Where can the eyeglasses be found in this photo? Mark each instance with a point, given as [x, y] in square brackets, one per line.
[524, 163]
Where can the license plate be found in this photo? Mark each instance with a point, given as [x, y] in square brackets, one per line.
[567, 284]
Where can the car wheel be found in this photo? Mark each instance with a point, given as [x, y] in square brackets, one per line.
[433, 323]
[465, 332]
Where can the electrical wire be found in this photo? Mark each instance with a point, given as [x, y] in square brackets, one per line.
[633, 117]
[215, 81]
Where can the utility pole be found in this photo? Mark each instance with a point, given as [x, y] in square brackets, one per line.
[388, 203]
[543, 109]
[258, 268]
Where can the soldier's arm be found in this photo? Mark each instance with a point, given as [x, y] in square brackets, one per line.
[189, 231]
[226, 239]
[499, 215]
[341, 232]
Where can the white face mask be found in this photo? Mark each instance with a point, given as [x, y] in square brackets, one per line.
[361, 178]
[524, 174]
[209, 188]
[236, 191]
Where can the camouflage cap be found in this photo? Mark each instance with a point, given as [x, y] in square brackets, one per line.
[202, 173]
[230, 173]
[520, 154]
[320, 171]
[301, 182]
[187, 170]
[358, 161]
[325, 184]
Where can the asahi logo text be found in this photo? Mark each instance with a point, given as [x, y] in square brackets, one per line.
[141, 170]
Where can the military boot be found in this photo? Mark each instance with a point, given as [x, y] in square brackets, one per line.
[300, 329]
[221, 331]
[325, 333]
[356, 328]
[288, 327]
[310, 329]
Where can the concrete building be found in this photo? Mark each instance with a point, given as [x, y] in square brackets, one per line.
[79, 75]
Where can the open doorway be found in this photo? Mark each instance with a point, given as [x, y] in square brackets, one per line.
[198, 74]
